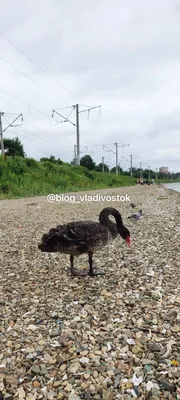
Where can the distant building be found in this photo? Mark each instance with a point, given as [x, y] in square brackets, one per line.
[164, 170]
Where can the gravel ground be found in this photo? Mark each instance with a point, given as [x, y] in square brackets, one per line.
[109, 337]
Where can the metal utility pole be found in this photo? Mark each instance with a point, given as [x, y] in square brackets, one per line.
[1, 133]
[9, 126]
[116, 144]
[75, 153]
[77, 134]
[116, 153]
[140, 170]
[102, 164]
[156, 174]
[119, 166]
[131, 164]
[76, 107]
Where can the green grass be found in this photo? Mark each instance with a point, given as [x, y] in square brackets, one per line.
[167, 181]
[26, 177]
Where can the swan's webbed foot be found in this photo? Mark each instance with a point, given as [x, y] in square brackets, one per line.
[96, 272]
[91, 272]
[74, 271]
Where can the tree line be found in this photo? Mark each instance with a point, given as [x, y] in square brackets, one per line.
[13, 147]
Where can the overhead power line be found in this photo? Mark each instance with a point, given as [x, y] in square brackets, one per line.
[25, 102]
[27, 77]
[26, 111]
[35, 63]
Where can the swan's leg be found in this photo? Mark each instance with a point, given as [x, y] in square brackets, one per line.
[74, 271]
[92, 272]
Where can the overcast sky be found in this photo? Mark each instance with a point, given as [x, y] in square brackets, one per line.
[121, 54]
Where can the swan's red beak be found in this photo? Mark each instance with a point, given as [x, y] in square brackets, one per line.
[128, 240]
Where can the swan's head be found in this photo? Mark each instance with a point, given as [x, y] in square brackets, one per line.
[48, 244]
[125, 234]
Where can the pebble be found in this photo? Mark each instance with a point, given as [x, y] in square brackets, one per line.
[73, 396]
[117, 381]
[155, 347]
[57, 384]
[84, 360]
[74, 368]
[35, 370]
[36, 384]
[170, 387]
[172, 314]
[136, 349]
[68, 388]
[146, 361]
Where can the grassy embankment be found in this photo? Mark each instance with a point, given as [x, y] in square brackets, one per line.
[27, 177]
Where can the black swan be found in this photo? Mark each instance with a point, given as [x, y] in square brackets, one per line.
[79, 237]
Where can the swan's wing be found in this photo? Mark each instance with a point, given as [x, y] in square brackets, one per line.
[82, 232]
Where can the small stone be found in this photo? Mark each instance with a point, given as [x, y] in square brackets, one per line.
[87, 395]
[54, 315]
[154, 347]
[68, 388]
[136, 349]
[41, 342]
[172, 314]
[146, 361]
[150, 395]
[57, 384]
[86, 376]
[21, 393]
[175, 363]
[84, 385]
[107, 395]
[8, 396]
[170, 387]
[32, 327]
[55, 333]
[74, 396]
[36, 384]
[95, 374]
[84, 353]
[35, 370]
[39, 349]
[84, 360]
[77, 319]
[110, 373]
[92, 388]
[175, 328]
[62, 367]
[74, 368]
[117, 381]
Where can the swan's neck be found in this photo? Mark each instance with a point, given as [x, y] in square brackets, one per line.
[104, 220]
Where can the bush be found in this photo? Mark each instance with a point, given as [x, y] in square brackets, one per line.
[31, 163]
[17, 165]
